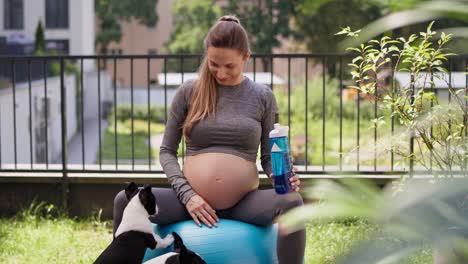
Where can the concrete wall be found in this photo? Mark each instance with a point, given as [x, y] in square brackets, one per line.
[91, 92]
[23, 126]
[140, 96]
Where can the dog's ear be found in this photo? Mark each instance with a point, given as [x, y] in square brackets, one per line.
[148, 200]
[147, 187]
[131, 190]
[185, 255]
[178, 243]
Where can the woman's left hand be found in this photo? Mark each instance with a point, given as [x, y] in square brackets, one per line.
[294, 180]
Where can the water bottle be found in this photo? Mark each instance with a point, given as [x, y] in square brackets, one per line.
[280, 159]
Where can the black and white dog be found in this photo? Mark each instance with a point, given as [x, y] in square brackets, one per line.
[135, 232]
[181, 255]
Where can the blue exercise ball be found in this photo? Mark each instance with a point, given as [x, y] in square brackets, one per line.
[232, 242]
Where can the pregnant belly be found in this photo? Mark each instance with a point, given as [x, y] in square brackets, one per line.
[221, 179]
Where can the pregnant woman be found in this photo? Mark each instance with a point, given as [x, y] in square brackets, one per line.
[224, 118]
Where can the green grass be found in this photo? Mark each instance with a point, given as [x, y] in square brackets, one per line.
[326, 242]
[124, 138]
[32, 239]
[38, 236]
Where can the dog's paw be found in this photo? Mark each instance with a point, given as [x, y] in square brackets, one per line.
[164, 243]
[169, 239]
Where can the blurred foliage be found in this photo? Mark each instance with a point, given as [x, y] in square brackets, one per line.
[410, 217]
[405, 17]
[316, 20]
[325, 107]
[140, 112]
[317, 101]
[265, 22]
[191, 20]
[112, 12]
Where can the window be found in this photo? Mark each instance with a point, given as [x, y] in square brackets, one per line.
[58, 46]
[152, 51]
[56, 13]
[13, 14]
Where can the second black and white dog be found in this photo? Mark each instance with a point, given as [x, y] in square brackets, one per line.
[180, 255]
[135, 233]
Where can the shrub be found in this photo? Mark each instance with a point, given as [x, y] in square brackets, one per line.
[140, 112]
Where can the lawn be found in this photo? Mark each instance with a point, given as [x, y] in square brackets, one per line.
[52, 240]
[129, 145]
[32, 237]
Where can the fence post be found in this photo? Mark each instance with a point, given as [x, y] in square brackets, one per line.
[63, 110]
[411, 146]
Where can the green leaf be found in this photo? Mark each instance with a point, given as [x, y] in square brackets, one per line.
[354, 49]
[359, 58]
[343, 31]
[393, 48]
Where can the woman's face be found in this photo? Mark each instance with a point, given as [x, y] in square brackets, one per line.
[226, 65]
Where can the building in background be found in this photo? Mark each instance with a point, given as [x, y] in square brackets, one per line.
[30, 108]
[68, 24]
[140, 39]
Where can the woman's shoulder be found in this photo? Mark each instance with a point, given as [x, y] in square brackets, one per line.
[260, 88]
[183, 92]
[264, 94]
[187, 86]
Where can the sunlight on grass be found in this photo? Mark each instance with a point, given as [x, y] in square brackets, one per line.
[124, 141]
[62, 240]
[326, 242]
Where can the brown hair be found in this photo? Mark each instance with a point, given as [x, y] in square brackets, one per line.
[226, 33]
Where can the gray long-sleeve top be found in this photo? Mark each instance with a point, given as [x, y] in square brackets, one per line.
[244, 116]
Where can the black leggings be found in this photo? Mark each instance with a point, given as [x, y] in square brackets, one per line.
[258, 207]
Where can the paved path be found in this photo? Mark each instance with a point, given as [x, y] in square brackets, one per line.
[91, 140]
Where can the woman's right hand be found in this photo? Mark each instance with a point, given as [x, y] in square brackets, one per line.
[200, 210]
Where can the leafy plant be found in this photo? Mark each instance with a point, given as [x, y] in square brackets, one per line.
[416, 212]
[437, 130]
[37, 211]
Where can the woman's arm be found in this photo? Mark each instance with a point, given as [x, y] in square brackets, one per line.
[196, 206]
[171, 141]
[269, 118]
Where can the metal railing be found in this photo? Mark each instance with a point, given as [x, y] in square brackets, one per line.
[333, 137]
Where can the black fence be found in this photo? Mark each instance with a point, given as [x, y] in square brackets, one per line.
[329, 123]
